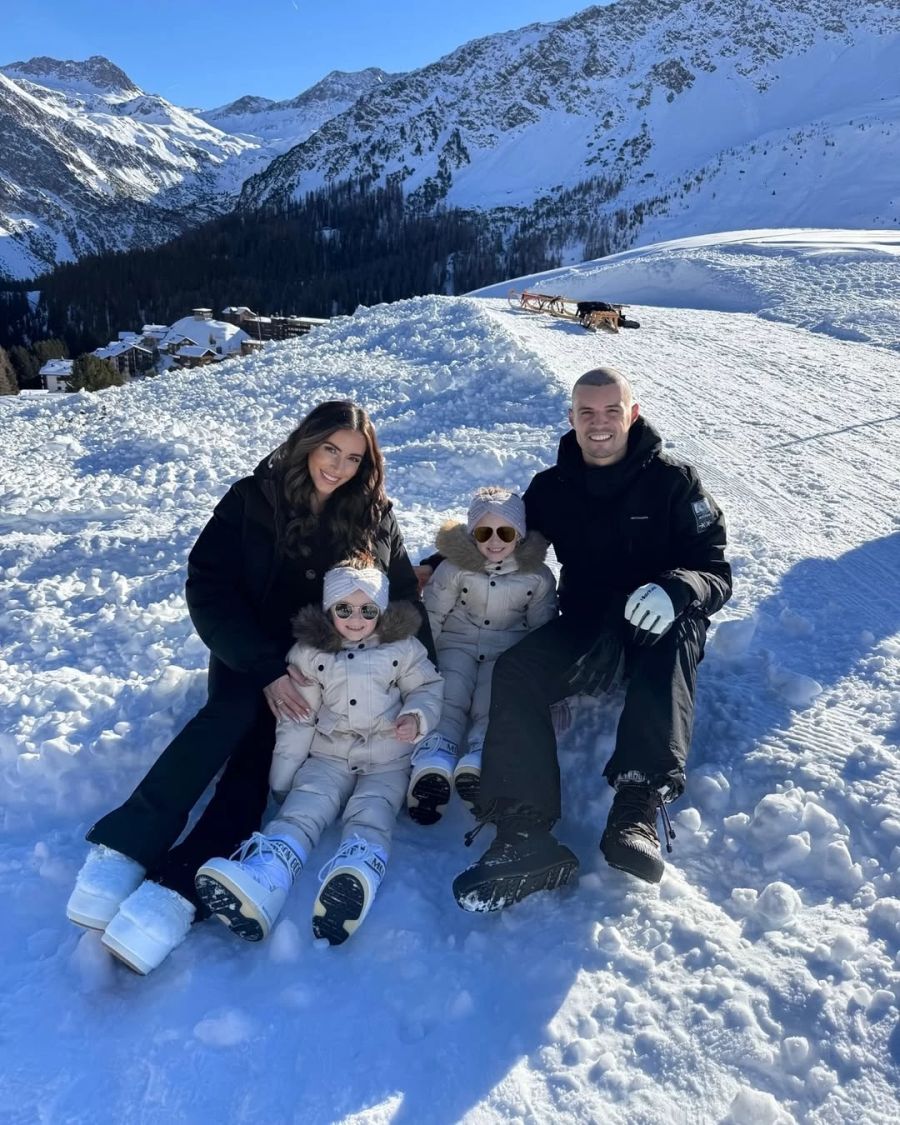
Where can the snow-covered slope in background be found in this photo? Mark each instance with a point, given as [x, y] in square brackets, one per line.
[758, 984]
[842, 283]
[662, 118]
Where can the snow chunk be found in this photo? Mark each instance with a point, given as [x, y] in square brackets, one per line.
[227, 1029]
[754, 1107]
[732, 639]
[794, 688]
[777, 905]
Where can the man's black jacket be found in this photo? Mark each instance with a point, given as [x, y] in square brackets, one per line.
[644, 519]
[243, 589]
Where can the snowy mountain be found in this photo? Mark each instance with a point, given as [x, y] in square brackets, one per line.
[756, 985]
[284, 124]
[638, 120]
[91, 162]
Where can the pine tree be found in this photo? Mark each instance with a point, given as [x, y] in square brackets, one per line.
[89, 373]
[8, 383]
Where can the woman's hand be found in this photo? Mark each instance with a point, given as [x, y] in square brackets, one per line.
[406, 728]
[298, 677]
[423, 575]
[284, 698]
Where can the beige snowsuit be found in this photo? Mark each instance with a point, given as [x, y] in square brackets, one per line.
[345, 755]
[477, 610]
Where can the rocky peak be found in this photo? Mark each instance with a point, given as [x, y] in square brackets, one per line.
[96, 72]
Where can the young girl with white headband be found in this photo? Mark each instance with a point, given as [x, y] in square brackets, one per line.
[373, 694]
[490, 590]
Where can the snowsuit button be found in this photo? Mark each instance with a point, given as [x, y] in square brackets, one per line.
[310, 575]
[352, 702]
[493, 583]
[321, 667]
[487, 622]
[396, 662]
[349, 655]
[465, 589]
[481, 658]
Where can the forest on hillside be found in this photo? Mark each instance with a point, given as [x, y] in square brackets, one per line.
[346, 245]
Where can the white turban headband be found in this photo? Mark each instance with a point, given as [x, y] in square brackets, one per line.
[343, 580]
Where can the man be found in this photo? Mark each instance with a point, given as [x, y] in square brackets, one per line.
[641, 547]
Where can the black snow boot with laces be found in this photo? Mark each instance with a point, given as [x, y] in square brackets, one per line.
[523, 858]
[631, 842]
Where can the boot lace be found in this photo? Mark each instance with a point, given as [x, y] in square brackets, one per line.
[483, 819]
[354, 847]
[259, 856]
[636, 808]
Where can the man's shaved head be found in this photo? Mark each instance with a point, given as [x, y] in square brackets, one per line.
[605, 377]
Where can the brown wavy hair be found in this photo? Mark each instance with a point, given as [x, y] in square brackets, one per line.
[351, 515]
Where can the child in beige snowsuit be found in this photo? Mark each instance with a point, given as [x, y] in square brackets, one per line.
[373, 693]
[491, 588]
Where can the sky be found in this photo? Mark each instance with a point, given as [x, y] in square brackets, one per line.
[203, 55]
[757, 984]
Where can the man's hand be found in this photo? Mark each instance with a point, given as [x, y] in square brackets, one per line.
[406, 728]
[650, 611]
[423, 575]
[284, 698]
[594, 672]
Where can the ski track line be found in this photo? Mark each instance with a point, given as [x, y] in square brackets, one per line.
[752, 416]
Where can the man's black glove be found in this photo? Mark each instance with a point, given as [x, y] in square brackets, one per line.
[595, 670]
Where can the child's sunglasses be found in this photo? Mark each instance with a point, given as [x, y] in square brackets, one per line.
[344, 610]
[483, 534]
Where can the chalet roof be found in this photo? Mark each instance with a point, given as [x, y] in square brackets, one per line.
[120, 347]
[195, 351]
[57, 367]
[217, 333]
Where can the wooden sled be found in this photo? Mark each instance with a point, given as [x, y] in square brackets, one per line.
[589, 314]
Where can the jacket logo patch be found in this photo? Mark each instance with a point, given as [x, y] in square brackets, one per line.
[703, 515]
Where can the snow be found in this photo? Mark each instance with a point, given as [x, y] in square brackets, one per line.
[757, 984]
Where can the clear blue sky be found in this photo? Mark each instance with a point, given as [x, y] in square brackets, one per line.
[205, 54]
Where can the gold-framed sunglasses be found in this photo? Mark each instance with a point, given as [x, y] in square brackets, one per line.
[504, 534]
[369, 611]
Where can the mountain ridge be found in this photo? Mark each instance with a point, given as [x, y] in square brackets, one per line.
[621, 124]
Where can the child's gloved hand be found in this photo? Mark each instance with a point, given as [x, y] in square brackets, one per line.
[406, 728]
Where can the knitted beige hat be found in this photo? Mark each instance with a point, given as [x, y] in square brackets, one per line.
[499, 502]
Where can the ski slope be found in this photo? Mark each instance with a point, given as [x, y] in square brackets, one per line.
[758, 984]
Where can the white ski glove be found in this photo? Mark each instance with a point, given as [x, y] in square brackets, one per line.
[649, 609]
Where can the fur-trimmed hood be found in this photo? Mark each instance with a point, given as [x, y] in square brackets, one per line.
[455, 544]
[315, 629]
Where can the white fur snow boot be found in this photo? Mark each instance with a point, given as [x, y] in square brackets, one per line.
[149, 924]
[350, 881]
[105, 880]
[248, 891]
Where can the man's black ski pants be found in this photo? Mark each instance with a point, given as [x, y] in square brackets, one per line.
[654, 732]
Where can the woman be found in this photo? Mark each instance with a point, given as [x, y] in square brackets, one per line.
[318, 499]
